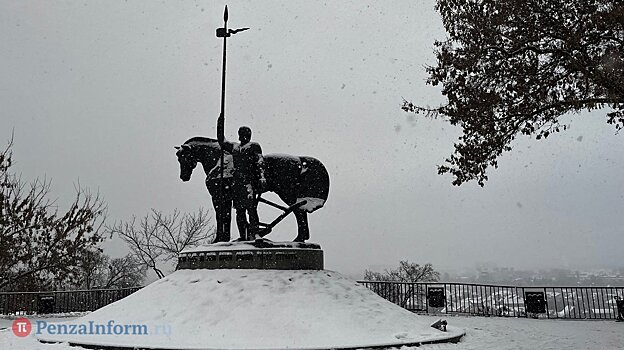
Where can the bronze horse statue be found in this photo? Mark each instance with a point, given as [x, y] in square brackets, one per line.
[295, 179]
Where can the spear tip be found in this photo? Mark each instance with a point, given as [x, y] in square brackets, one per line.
[225, 14]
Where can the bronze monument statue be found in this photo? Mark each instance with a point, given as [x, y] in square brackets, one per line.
[239, 173]
[301, 182]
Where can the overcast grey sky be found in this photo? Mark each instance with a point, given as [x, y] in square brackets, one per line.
[100, 92]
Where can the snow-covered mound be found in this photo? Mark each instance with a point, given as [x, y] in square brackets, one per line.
[255, 309]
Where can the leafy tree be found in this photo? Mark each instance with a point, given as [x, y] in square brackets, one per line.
[406, 272]
[513, 67]
[40, 246]
[157, 239]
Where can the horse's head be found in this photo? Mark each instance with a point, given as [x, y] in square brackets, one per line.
[187, 161]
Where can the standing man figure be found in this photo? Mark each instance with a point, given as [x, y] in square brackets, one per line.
[249, 178]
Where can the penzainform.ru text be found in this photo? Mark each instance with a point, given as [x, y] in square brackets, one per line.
[93, 328]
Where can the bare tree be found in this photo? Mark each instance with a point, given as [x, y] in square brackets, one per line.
[92, 270]
[157, 239]
[407, 272]
[98, 270]
[40, 246]
[125, 272]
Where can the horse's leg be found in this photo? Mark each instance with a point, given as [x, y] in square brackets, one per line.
[241, 222]
[223, 213]
[303, 231]
[227, 220]
[227, 210]
[254, 222]
[223, 234]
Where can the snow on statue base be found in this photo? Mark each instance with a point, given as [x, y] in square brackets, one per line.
[261, 254]
[246, 308]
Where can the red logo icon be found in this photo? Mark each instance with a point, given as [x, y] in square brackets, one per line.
[21, 327]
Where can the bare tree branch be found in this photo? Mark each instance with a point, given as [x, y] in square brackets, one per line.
[41, 246]
[157, 240]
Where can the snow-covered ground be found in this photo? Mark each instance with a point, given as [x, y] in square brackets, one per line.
[481, 333]
[521, 333]
[278, 309]
[251, 309]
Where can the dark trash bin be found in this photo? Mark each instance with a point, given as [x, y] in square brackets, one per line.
[535, 302]
[436, 297]
[45, 304]
[620, 308]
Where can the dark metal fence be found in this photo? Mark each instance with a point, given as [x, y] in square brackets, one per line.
[12, 303]
[427, 297]
[494, 300]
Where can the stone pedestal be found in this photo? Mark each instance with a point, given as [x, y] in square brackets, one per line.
[261, 254]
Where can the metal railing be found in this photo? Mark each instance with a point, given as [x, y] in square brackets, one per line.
[449, 298]
[496, 300]
[25, 303]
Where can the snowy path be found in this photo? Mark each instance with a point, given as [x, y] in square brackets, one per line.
[482, 333]
[520, 333]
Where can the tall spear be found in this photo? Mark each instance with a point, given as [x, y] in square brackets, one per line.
[224, 33]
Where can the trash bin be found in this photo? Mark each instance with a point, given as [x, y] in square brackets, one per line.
[620, 307]
[45, 304]
[535, 302]
[436, 297]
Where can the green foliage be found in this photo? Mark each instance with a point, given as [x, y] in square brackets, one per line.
[41, 247]
[513, 67]
[406, 272]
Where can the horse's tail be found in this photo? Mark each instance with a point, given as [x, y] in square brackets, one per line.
[314, 181]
